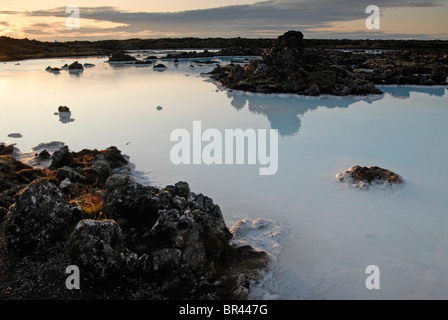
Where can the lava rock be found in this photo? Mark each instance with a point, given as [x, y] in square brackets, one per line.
[70, 174]
[98, 246]
[121, 56]
[287, 68]
[44, 155]
[364, 177]
[5, 150]
[63, 109]
[40, 217]
[75, 66]
[61, 157]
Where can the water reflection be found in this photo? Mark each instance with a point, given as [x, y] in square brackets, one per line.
[66, 117]
[402, 92]
[284, 113]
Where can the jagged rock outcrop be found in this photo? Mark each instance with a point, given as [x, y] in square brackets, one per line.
[171, 241]
[93, 166]
[40, 216]
[98, 247]
[287, 68]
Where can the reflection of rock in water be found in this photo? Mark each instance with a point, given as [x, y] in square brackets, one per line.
[66, 117]
[284, 113]
[239, 102]
[404, 92]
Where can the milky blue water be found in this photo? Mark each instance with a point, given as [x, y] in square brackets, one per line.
[331, 232]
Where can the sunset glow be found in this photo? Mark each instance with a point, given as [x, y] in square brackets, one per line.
[45, 20]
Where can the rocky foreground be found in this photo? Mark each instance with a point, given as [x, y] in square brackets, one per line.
[129, 241]
[289, 66]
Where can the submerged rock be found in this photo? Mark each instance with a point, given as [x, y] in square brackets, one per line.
[364, 177]
[15, 135]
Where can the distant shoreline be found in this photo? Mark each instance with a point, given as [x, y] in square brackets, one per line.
[21, 49]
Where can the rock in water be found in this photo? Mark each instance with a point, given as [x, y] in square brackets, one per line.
[15, 135]
[121, 56]
[160, 66]
[75, 66]
[63, 109]
[288, 68]
[364, 177]
[44, 155]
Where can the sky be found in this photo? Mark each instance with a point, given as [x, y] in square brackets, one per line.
[117, 19]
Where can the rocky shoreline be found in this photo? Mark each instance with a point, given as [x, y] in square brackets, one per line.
[130, 241]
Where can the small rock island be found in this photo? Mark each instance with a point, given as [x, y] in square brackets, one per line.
[287, 68]
[365, 177]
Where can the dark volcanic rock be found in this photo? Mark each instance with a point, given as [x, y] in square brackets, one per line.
[61, 157]
[4, 150]
[363, 177]
[75, 66]
[44, 155]
[40, 217]
[160, 66]
[94, 166]
[287, 68]
[14, 173]
[171, 241]
[99, 248]
[121, 56]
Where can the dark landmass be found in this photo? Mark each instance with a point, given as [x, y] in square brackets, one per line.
[19, 49]
[337, 67]
[129, 241]
[289, 66]
[234, 51]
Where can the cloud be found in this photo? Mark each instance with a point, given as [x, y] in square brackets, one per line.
[264, 18]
